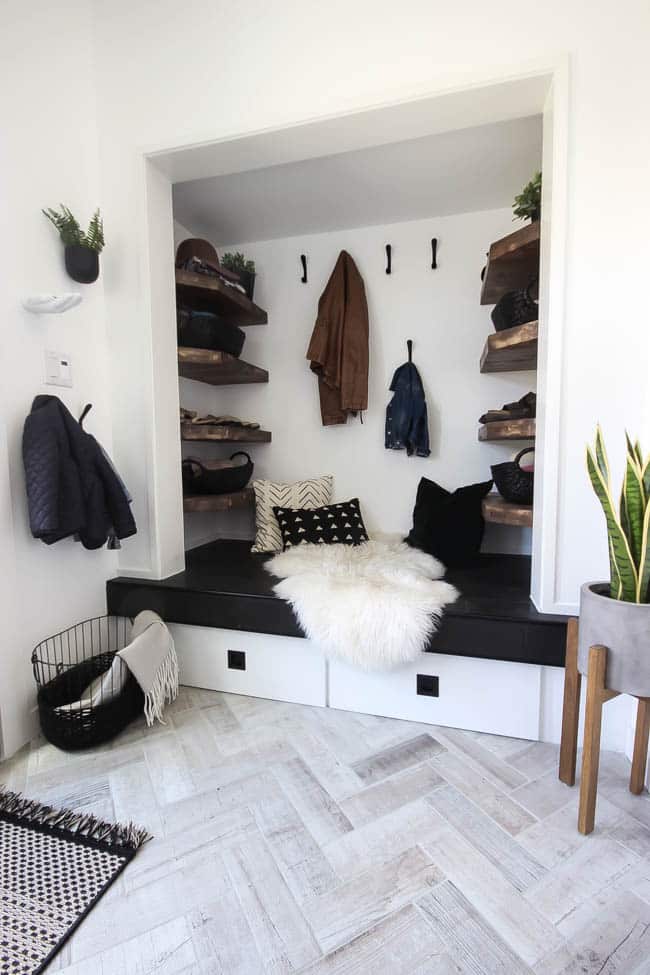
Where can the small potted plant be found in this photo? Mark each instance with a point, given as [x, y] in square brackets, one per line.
[245, 269]
[82, 250]
[616, 614]
[528, 203]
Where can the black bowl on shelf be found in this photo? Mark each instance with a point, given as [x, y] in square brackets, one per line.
[217, 476]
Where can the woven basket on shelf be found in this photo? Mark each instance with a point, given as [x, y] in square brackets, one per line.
[216, 476]
[513, 483]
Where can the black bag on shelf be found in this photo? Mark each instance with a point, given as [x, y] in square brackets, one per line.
[216, 476]
[514, 308]
[513, 483]
[205, 330]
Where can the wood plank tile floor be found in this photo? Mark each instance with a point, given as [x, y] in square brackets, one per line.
[296, 839]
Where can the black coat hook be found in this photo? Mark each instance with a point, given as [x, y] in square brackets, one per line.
[84, 413]
[303, 261]
[434, 249]
[409, 346]
[389, 254]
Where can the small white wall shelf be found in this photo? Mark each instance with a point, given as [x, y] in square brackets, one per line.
[51, 304]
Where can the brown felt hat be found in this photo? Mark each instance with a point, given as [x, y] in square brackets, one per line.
[196, 247]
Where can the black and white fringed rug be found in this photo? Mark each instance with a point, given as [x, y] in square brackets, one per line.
[55, 864]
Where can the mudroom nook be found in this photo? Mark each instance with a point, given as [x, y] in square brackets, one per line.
[435, 253]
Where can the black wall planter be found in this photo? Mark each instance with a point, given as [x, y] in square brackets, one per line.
[82, 263]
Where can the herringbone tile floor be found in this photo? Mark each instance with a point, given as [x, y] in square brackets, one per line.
[297, 839]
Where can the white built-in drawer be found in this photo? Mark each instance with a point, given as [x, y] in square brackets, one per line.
[479, 695]
[281, 668]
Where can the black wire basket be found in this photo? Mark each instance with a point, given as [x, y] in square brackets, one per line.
[65, 667]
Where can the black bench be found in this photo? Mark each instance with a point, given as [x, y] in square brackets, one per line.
[225, 585]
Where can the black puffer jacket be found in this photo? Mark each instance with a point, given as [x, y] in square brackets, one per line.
[72, 487]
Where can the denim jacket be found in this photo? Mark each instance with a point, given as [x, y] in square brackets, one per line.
[406, 414]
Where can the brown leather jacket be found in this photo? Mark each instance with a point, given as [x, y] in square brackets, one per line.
[338, 350]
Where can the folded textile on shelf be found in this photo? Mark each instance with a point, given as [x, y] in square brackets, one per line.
[208, 419]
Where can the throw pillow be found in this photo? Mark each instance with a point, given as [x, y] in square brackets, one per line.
[449, 524]
[330, 525]
[311, 493]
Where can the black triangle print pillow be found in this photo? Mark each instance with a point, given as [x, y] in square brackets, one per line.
[333, 524]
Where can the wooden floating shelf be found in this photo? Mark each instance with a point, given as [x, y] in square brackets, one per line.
[223, 434]
[511, 350]
[204, 293]
[217, 368]
[507, 430]
[502, 512]
[218, 502]
[513, 262]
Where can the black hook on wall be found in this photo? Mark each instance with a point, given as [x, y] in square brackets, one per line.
[389, 256]
[409, 346]
[303, 261]
[434, 251]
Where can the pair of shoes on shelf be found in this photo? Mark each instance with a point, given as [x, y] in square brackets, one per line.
[192, 416]
[524, 409]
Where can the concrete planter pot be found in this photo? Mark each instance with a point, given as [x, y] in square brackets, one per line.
[624, 628]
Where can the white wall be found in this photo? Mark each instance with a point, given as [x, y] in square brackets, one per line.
[439, 310]
[49, 155]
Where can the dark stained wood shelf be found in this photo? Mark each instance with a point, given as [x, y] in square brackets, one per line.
[218, 502]
[217, 368]
[513, 262]
[511, 350]
[507, 430]
[501, 512]
[222, 434]
[204, 293]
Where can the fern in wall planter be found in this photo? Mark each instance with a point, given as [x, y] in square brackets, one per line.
[82, 249]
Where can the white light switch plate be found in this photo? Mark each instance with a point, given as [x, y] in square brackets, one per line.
[58, 369]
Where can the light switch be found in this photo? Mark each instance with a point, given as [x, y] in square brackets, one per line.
[58, 369]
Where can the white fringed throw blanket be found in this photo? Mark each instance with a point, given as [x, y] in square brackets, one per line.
[151, 658]
[374, 605]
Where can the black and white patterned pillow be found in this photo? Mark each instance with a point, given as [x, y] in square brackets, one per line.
[310, 493]
[332, 524]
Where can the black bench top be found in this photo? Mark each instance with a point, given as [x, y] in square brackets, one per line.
[225, 585]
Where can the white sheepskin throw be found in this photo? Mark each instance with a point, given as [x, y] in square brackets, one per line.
[374, 605]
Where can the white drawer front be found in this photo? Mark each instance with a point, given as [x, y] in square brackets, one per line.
[478, 695]
[280, 668]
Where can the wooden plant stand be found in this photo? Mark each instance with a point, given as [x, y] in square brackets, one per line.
[597, 695]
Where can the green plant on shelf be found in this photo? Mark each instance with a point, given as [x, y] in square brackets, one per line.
[71, 233]
[628, 529]
[528, 203]
[237, 263]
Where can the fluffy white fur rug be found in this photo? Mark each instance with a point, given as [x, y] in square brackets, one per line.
[374, 605]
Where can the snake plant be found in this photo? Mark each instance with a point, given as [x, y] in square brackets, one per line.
[628, 529]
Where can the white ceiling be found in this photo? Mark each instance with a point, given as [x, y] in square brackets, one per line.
[470, 169]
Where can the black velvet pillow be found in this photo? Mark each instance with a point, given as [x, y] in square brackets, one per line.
[330, 525]
[449, 524]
